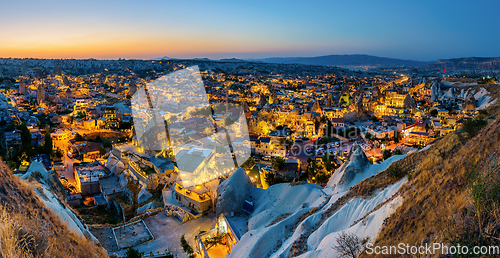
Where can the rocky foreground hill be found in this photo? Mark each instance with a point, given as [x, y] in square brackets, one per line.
[29, 229]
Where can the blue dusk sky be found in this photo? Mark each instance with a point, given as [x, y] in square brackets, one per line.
[417, 30]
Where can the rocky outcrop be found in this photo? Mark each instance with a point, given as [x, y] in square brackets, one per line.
[262, 100]
[232, 192]
[409, 103]
[435, 91]
[115, 165]
[470, 103]
[143, 194]
[355, 163]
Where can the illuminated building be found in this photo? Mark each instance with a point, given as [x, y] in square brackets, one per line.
[197, 198]
[87, 178]
[222, 233]
[110, 117]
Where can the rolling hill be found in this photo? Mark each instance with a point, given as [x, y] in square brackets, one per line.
[345, 60]
[468, 63]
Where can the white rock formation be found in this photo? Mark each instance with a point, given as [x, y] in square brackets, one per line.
[233, 192]
[355, 163]
[143, 194]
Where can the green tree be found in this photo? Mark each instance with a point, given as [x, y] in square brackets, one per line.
[249, 164]
[327, 161]
[78, 137]
[285, 142]
[472, 127]
[47, 147]
[107, 144]
[98, 139]
[186, 247]
[386, 154]
[58, 153]
[272, 179]
[329, 129]
[102, 150]
[25, 138]
[80, 114]
[133, 253]
[278, 162]
[322, 178]
[312, 170]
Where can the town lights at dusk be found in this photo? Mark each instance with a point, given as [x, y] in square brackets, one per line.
[249, 129]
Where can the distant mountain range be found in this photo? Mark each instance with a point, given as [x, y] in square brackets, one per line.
[465, 63]
[163, 58]
[468, 63]
[345, 60]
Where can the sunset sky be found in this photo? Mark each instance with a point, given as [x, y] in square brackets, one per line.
[418, 30]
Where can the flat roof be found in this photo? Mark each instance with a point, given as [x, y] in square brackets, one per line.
[110, 185]
[190, 160]
[90, 174]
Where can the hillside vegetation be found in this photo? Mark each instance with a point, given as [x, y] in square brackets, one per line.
[29, 229]
[453, 192]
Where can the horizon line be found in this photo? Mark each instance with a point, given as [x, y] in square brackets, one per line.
[228, 58]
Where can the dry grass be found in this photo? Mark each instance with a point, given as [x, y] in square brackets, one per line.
[279, 218]
[436, 197]
[29, 229]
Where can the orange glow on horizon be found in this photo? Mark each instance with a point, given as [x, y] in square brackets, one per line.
[133, 47]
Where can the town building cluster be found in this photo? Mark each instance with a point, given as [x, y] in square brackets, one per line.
[117, 137]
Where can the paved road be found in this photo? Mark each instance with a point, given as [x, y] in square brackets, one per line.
[68, 163]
